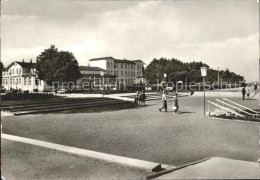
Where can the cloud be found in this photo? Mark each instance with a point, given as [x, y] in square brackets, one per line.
[217, 32]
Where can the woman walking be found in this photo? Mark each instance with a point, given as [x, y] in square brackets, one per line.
[175, 103]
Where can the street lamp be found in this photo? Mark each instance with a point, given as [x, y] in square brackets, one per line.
[165, 77]
[204, 74]
[102, 73]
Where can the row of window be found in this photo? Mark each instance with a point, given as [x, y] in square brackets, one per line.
[127, 73]
[122, 65]
[18, 81]
[18, 71]
[139, 67]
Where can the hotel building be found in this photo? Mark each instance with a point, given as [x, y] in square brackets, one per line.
[125, 71]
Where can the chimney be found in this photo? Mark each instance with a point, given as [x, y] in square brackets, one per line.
[23, 60]
[31, 61]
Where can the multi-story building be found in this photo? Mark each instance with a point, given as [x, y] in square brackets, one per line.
[126, 71]
[22, 76]
[95, 77]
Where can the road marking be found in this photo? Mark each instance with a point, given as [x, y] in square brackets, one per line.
[147, 165]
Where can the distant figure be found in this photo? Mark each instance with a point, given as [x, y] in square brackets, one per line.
[175, 103]
[136, 98]
[248, 93]
[143, 97]
[164, 102]
[255, 86]
[244, 92]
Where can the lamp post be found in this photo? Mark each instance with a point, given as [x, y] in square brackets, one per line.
[204, 74]
[102, 73]
[36, 79]
[165, 77]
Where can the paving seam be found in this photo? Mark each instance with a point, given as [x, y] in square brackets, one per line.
[147, 165]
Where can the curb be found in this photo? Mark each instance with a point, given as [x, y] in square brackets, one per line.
[146, 165]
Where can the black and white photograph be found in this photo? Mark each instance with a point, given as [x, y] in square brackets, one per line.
[129, 90]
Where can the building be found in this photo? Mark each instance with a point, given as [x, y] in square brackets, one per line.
[125, 71]
[22, 76]
[95, 77]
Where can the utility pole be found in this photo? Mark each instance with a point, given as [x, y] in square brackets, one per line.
[218, 77]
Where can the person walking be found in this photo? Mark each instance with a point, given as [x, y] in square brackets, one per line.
[143, 96]
[136, 98]
[175, 103]
[243, 92]
[164, 100]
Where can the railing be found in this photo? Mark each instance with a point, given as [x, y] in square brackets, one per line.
[227, 109]
[240, 105]
[238, 109]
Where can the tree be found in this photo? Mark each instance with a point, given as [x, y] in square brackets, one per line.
[177, 70]
[57, 66]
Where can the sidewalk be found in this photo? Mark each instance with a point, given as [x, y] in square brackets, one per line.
[217, 168]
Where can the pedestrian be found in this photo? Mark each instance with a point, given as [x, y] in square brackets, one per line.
[143, 96]
[136, 98]
[164, 100]
[248, 93]
[175, 103]
[243, 92]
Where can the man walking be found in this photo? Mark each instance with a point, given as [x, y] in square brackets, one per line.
[164, 102]
[244, 92]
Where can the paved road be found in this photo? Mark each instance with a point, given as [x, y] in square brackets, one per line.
[145, 133]
[25, 162]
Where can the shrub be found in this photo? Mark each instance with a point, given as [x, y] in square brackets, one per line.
[26, 95]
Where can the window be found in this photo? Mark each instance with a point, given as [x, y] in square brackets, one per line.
[107, 64]
[122, 65]
[122, 73]
[25, 81]
[19, 80]
[30, 80]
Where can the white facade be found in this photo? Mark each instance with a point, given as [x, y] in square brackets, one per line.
[22, 76]
[126, 71]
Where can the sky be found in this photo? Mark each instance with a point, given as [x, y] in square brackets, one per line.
[221, 33]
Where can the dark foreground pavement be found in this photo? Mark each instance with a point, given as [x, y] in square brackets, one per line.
[25, 162]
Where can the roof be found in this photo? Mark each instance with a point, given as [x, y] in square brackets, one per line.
[116, 60]
[102, 58]
[23, 64]
[90, 68]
